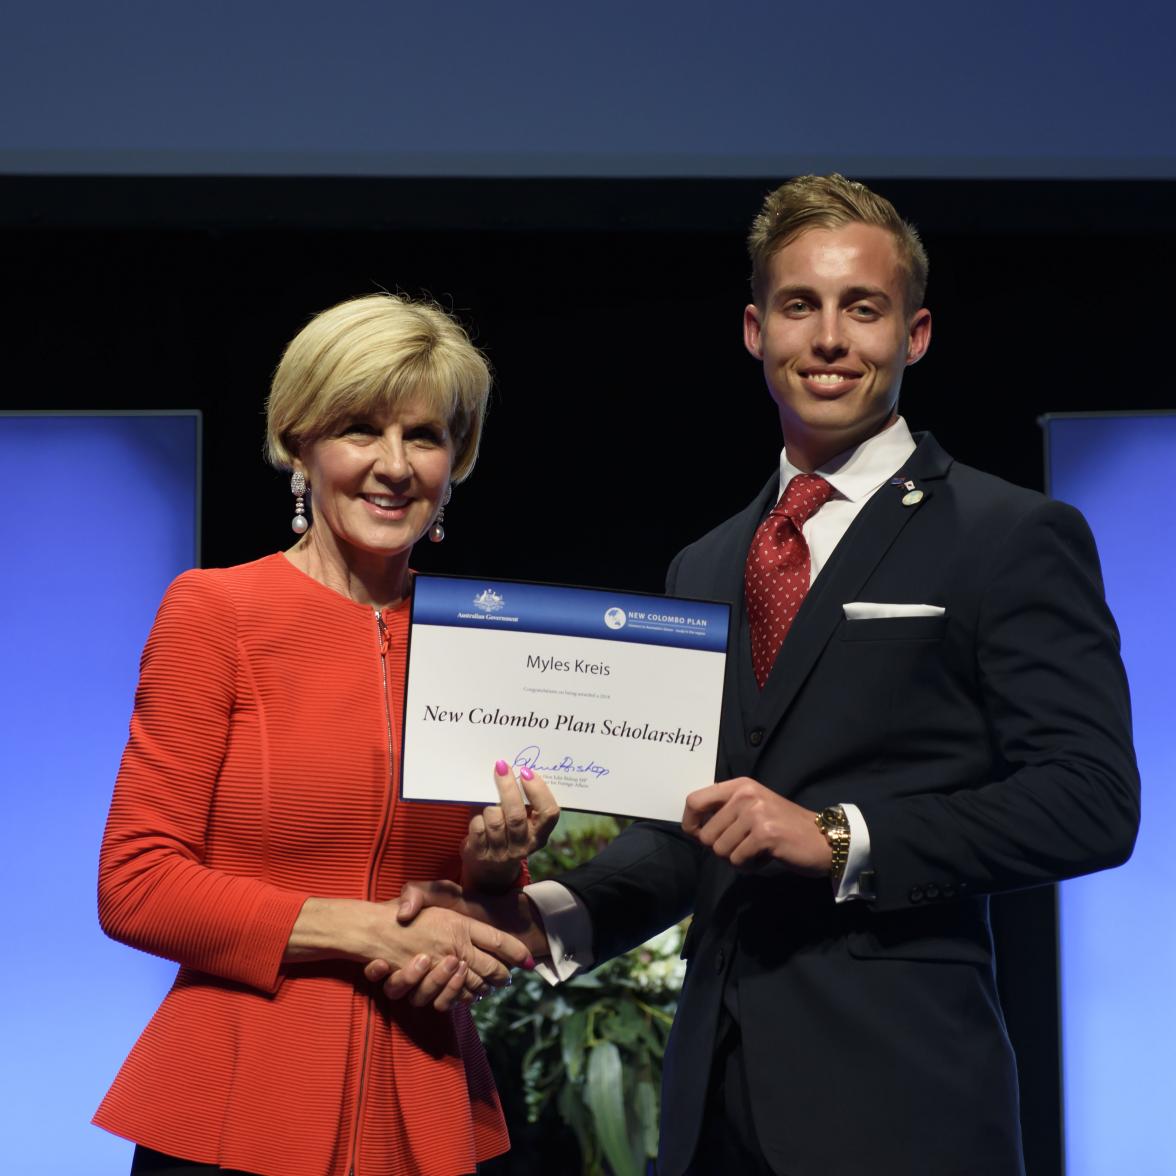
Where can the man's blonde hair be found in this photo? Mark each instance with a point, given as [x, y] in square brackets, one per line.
[368, 355]
[831, 202]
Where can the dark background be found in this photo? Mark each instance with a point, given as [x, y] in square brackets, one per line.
[627, 418]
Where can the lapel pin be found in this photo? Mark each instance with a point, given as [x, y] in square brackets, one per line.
[913, 495]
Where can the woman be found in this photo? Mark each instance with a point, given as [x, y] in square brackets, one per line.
[255, 835]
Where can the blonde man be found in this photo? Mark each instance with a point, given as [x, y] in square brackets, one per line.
[924, 706]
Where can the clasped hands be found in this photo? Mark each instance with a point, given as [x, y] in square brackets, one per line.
[739, 820]
[466, 945]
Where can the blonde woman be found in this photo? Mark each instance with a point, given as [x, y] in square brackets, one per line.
[255, 834]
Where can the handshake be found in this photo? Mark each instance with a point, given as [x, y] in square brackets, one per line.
[469, 942]
[441, 943]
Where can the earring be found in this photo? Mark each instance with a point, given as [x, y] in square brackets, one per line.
[437, 530]
[299, 523]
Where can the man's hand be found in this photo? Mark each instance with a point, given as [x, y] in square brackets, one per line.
[750, 825]
[503, 835]
[512, 913]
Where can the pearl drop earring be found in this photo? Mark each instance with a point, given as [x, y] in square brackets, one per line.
[437, 530]
[299, 523]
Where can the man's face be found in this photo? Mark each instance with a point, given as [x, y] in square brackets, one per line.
[835, 337]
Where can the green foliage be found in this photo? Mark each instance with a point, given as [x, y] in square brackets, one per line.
[577, 839]
[589, 1051]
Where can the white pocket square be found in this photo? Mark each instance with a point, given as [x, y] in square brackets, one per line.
[865, 610]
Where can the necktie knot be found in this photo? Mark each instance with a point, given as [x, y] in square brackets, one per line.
[804, 495]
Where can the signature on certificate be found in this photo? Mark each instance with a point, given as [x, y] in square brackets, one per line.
[530, 756]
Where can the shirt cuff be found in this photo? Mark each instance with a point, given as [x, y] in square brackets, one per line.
[858, 879]
[569, 930]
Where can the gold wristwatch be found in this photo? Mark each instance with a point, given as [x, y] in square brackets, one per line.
[835, 825]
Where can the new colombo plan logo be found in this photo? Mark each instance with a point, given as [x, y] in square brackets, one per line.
[614, 618]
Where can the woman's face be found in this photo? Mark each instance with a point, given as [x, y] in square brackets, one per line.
[379, 480]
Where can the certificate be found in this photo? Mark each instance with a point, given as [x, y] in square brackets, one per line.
[613, 697]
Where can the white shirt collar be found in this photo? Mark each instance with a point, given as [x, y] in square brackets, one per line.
[856, 473]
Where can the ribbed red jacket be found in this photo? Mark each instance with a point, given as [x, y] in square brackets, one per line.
[261, 769]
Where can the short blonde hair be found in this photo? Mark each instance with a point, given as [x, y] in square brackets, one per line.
[367, 355]
[831, 202]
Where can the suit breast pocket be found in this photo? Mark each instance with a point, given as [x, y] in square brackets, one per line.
[894, 629]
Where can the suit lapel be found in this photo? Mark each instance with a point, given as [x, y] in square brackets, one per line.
[861, 549]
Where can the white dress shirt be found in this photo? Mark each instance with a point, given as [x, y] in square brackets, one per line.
[855, 476]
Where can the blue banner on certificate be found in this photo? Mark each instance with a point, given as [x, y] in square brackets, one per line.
[614, 697]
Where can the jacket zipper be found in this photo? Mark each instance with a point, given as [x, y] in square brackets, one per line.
[385, 645]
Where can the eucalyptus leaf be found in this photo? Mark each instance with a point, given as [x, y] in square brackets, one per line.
[575, 1114]
[558, 1007]
[645, 1102]
[573, 1038]
[586, 980]
[604, 1093]
[652, 1036]
[624, 1023]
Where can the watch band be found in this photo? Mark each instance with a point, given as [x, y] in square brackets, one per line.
[835, 825]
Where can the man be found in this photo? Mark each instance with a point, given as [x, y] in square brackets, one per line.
[924, 705]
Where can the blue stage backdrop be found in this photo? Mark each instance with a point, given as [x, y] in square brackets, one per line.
[531, 88]
[100, 513]
[1118, 936]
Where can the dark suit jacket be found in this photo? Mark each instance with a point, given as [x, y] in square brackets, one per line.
[988, 749]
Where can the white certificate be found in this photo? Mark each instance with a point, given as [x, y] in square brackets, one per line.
[613, 697]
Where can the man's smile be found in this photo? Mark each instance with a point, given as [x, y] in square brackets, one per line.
[829, 379]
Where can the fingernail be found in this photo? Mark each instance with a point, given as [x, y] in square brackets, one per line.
[500, 768]
[462, 968]
[529, 963]
[526, 773]
[451, 966]
[422, 961]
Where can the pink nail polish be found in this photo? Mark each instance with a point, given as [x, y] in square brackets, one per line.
[529, 963]
[500, 768]
[526, 773]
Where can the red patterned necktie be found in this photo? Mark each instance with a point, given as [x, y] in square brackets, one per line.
[776, 576]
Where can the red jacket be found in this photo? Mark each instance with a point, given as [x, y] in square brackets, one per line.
[261, 769]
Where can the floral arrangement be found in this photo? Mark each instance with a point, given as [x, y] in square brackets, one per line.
[589, 1051]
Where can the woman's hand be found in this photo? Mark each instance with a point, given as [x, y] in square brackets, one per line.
[470, 953]
[440, 957]
[502, 836]
[443, 984]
